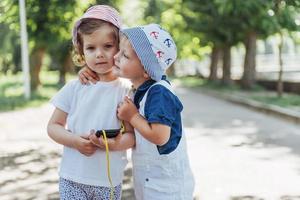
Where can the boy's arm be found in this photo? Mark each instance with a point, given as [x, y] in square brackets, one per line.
[56, 131]
[156, 133]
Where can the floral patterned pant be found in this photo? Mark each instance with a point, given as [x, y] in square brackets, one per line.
[76, 191]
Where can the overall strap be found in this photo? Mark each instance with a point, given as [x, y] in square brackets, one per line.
[161, 82]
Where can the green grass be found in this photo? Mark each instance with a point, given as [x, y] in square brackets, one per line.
[12, 91]
[287, 100]
[258, 93]
[189, 81]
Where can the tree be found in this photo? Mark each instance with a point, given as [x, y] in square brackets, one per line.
[170, 15]
[49, 24]
[213, 18]
[9, 47]
[285, 14]
[260, 24]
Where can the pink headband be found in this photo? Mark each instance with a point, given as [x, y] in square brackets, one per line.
[103, 12]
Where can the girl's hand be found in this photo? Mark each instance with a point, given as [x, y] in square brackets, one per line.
[84, 145]
[113, 143]
[87, 75]
[127, 110]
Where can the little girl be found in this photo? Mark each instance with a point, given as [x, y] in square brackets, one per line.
[83, 170]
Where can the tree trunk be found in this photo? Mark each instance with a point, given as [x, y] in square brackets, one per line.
[36, 61]
[65, 67]
[248, 78]
[280, 82]
[171, 70]
[5, 66]
[226, 79]
[17, 59]
[215, 56]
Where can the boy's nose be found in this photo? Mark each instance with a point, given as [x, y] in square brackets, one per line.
[116, 57]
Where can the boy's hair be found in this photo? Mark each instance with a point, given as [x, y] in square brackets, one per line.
[88, 26]
[154, 47]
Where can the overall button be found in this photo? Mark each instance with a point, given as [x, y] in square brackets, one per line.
[147, 179]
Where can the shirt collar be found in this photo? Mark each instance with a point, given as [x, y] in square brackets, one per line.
[141, 90]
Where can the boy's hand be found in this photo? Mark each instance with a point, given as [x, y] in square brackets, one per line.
[127, 110]
[87, 75]
[84, 145]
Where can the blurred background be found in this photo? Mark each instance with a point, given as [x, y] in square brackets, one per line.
[244, 43]
[243, 51]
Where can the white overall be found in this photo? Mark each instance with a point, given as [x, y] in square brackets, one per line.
[161, 177]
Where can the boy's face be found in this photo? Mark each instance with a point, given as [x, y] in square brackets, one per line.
[99, 49]
[128, 65]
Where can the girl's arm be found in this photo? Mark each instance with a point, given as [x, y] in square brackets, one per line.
[56, 131]
[122, 142]
[156, 133]
[87, 75]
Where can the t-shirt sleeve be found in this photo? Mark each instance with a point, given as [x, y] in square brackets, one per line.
[63, 98]
[162, 106]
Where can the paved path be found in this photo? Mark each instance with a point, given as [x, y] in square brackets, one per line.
[236, 153]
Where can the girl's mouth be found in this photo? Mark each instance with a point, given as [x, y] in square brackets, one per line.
[101, 63]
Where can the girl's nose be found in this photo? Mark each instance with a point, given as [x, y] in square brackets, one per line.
[99, 53]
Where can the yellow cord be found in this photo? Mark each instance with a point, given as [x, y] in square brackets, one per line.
[122, 130]
[108, 166]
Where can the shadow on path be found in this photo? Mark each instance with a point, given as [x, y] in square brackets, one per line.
[32, 174]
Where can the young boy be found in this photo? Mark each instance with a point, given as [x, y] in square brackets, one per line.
[161, 167]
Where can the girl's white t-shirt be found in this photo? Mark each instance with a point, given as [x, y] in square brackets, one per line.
[89, 107]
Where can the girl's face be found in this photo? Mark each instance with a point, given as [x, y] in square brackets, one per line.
[99, 49]
[128, 65]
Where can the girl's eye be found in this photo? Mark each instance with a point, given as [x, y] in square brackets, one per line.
[90, 48]
[108, 46]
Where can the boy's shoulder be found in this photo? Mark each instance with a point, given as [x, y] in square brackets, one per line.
[162, 87]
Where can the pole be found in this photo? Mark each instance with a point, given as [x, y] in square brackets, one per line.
[24, 49]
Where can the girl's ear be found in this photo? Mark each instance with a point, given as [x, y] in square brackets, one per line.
[78, 60]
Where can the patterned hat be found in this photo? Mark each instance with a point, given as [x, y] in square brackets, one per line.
[103, 12]
[155, 48]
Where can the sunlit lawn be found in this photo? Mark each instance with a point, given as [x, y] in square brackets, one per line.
[12, 91]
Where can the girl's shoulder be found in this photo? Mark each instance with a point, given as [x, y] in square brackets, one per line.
[124, 83]
[71, 85]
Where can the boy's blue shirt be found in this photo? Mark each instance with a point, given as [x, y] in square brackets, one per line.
[163, 107]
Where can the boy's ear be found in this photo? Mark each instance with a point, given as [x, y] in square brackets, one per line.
[146, 76]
